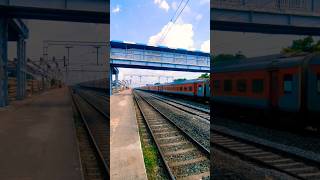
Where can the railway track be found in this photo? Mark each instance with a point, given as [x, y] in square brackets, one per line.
[292, 165]
[191, 109]
[98, 99]
[96, 128]
[184, 157]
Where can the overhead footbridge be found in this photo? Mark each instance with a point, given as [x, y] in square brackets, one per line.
[298, 17]
[90, 11]
[13, 28]
[140, 56]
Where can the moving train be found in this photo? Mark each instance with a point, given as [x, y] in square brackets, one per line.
[99, 85]
[288, 84]
[195, 88]
[277, 83]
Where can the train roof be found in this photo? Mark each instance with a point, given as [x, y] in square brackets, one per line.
[265, 62]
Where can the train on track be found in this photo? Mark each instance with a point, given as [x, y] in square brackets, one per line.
[99, 85]
[277, 83]
[273, 84]
[195, 88]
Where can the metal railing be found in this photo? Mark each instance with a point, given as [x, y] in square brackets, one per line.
[282, 6]
[159, 57]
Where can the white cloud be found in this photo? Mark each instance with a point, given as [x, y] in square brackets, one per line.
[129, 42]
[205, 46]
[199, 17]
[204, 2]
[116, 9]
[162, 4]
[187, 10]
[179, 36]
[174, 5]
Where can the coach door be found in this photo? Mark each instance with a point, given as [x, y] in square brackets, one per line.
[274, 88]
[204, 89]
[200, 89]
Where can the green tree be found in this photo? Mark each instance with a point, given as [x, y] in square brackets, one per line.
[204, 76]
[228, 57]
[303, 45]
[179, 80]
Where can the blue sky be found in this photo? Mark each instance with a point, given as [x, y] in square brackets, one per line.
[138, 20]
[144, 21]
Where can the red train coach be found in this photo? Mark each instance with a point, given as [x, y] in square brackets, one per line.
[195, 88]
[278, 82]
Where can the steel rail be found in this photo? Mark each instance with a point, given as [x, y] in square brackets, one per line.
[199, 145]
[95, 106]
[102, 162]
[232, 141]
[204, 110]
[170, 173]
[182, 104]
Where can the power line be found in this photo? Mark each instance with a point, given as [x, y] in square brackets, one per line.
[176, 10]
[174, 21]
[171, 19]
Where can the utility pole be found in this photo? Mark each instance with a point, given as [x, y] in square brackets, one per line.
[68, 53]
[97, 47]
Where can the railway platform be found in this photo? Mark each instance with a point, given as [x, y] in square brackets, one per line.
[38, 139]
[126, 156]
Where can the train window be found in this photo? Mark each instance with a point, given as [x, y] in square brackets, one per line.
[242, 85]
[180, 88]
[287, 83]
[190, 88]
[216, 84]
[318, 83]
[227, 85]
[185, 88]
[257, 85]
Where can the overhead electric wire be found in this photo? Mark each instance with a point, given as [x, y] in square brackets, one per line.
[176, 10]
[173, 20]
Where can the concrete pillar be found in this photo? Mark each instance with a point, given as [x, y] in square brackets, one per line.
[117, 79]
[110, 80]
[21, 75]
[24, 62]
[312, 5]
[3, 62]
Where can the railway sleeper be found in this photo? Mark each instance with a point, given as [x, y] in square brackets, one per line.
[183, 157]
[191, 161]
[169, 137]
[192, 169]
[179, 152]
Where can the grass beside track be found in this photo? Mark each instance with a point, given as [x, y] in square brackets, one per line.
[153, 164]
[150, 156]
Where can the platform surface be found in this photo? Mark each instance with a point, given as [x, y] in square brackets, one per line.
[126, 158]
[38, 139]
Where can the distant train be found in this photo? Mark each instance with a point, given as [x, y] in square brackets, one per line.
[277, 83]
[195, 88]
[99, 85]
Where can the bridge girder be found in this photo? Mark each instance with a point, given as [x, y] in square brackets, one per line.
[89, 11]
[260, 17]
